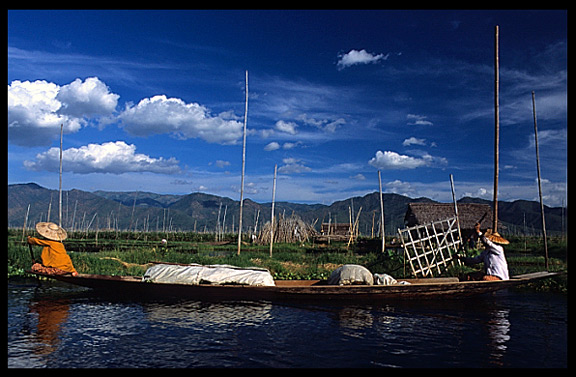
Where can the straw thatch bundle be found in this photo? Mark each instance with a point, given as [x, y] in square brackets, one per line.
[287, 230]
[468, 214]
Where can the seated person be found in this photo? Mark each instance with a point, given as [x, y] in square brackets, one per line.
[55, 260]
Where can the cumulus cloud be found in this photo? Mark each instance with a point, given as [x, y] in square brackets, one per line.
[159, 114]
[287, 127]
[37, 109]
[355, 57]
[272, 146]
[390, 160]
[275, 146]
[88, 98]
[111, 157]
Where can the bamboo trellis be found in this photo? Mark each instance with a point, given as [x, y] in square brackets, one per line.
[429, 248]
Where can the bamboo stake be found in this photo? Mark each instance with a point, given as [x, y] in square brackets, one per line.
[49, 208]
[455, 206]
[243, 169]
[539, 182]
[60, 179]
[25, 222]
[217, 236]
[456, 213]
[382, 212]
[272, 216]
[496, 127]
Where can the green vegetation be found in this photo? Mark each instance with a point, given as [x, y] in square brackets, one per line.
[128, 253]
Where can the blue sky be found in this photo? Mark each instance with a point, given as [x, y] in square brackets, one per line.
[154, 101]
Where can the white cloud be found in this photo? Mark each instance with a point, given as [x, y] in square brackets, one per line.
[272, 146]
[418, 120]
[111, 157]
[358, 177]
[286, 146]
[37, 109]
[91, 97]
[291, 145]
[389, 160]
[414, 141]
[328, 125]
[222, 163]
[399, 187]
[159, 114]
[288, 127]
[292, 166]
[355, 57]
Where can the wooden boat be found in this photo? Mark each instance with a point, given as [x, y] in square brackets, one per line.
[301, 290]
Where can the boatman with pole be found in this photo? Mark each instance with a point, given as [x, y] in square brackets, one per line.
[495, 265]
[55, 260]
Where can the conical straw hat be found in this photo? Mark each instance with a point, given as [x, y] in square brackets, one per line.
[496, 238]
[51, 231]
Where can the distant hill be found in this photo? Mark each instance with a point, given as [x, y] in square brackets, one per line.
[199, 211]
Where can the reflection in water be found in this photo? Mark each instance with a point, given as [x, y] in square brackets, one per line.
[195, 313]
[498, 329]
[353, 321]
[52, 328]
[51, 315]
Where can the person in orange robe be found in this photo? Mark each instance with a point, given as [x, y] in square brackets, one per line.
[53, 254]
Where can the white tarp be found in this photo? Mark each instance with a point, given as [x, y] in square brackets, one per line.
[218, 274]
[384, 279]
[351, 274]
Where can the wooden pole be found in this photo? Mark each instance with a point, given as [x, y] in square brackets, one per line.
[25, 222]
[243, 169]
[539, 182]
[496, 127]
[456, 209]
[217, 237]
[272, 216]
[382, 212]
[60, 179]
[49, 208]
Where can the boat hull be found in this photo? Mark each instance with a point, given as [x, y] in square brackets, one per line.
[301, 290]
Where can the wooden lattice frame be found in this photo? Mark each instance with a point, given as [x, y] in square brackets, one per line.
[429, 248]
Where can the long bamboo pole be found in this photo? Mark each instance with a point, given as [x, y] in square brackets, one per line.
[496, 127]
[25, 222]
[243, 169]
[456, 210]
[539, 182]
[60, 179]
[382, 212]
[272, 216]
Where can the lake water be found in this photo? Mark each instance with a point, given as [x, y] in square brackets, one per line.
[60, 326]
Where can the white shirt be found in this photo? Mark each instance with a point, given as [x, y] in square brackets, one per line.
[493, 258]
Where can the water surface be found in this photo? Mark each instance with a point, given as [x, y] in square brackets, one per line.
[59, 326]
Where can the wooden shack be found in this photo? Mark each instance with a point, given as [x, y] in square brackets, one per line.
[468, 215]
[334, 232]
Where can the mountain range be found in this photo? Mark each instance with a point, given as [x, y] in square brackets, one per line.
[138, 210]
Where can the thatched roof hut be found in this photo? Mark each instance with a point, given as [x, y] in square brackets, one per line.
[468, 214]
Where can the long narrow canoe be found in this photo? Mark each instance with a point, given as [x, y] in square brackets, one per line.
[301, 290]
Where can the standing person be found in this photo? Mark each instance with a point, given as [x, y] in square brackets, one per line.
[55, 260]
[495, 265]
